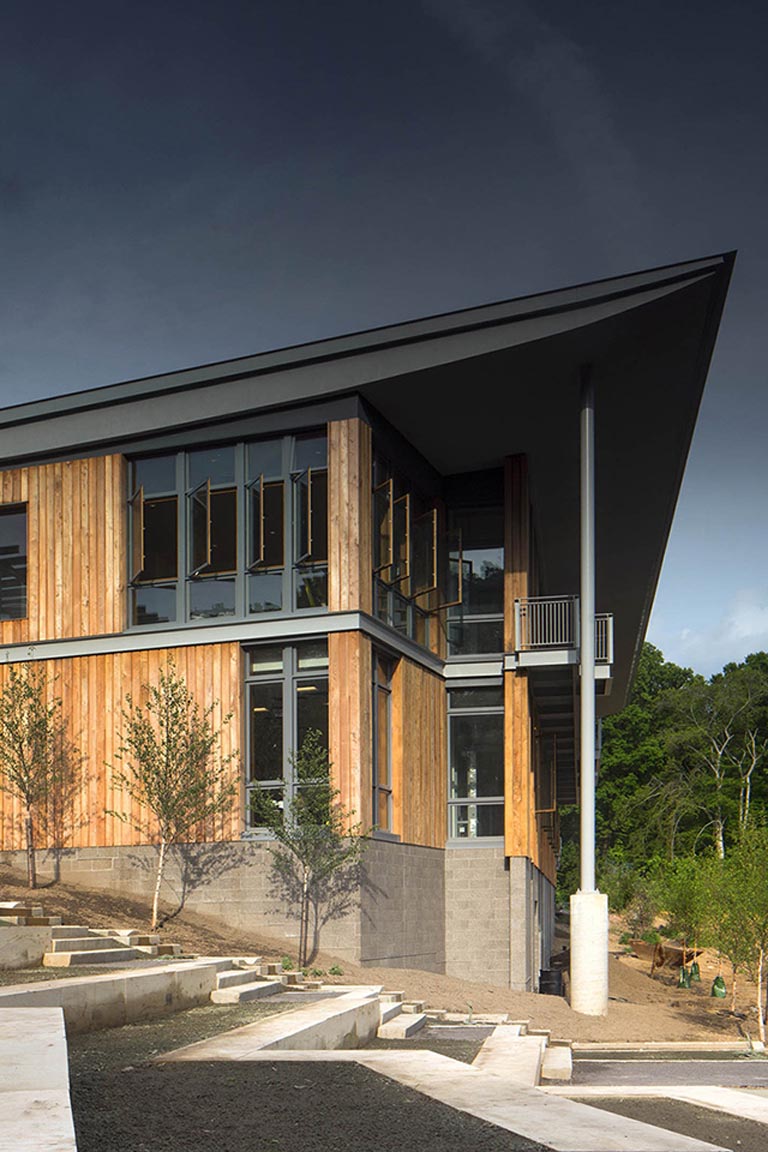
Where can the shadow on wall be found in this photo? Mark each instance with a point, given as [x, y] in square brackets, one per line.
[193, 866]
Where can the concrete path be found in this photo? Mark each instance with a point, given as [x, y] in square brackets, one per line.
[497, 1093]
[34, 1082]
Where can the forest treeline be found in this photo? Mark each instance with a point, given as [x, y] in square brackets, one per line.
[683, 772]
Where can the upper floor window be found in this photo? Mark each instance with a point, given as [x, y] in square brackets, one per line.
[230, 530]
[476, 621]
[13, 562]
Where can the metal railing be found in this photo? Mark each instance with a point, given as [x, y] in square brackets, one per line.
[552, 622]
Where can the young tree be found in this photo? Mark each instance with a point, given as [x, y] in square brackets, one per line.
[743, 909]
[172, 766]
[35, 761]
[318, 849]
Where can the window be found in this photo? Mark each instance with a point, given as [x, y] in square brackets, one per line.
[476, 560]
[476, 762]
[404, 555]
[286, 696]
[13, 562]
[230, 530]
[382, 743]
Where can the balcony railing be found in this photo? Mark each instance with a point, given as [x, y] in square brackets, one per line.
[551, 623]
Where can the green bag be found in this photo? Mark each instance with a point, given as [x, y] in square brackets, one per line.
[695, 973]
[684, 979]
[718, 987]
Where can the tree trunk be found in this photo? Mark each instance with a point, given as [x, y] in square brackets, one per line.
[158, 884]
[304, 926]
[720, 838]
[30, 837]
[760, 1016]
[733, 988]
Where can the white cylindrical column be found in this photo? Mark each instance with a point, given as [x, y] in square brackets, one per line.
[589, 953]
[589, 908]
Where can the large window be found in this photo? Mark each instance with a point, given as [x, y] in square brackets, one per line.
[476, 762]
[286, 696]
[382, 743]
[230, 530]
[476, 621]
[13, 562]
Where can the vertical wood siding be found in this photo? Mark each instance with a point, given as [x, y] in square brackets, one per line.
[93, 691]
[350, 555]
[419, 755]
[350, 737]
[76, 548]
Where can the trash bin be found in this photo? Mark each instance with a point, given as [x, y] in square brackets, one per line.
[551, 982]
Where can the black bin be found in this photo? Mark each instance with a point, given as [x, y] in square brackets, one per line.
[551, 982]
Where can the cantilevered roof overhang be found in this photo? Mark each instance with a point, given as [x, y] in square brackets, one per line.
[468, 389]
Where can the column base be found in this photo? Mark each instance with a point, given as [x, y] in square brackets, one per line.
[589, 953]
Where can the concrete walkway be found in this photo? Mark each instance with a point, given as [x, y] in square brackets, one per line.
[34, 1082]
[496, 1090]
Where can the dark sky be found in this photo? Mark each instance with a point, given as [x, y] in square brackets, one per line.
[182, 182]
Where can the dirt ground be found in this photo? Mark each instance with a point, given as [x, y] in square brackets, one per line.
[640, 1008]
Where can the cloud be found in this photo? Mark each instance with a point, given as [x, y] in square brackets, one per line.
[743, 628]
[552, 72]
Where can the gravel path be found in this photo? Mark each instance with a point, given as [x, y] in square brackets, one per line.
[124, 1103]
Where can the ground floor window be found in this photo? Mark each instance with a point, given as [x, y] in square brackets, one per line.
[286, 697]
[476, 761]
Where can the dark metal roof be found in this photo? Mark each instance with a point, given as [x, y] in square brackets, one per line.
[468, 388]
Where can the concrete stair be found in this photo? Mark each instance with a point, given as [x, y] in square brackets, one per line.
[239, 984]
[402, 1026]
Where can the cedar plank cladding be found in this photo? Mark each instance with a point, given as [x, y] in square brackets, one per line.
[76, 548]
[350, 679]
[350, 550]
[419, 755]
[92, 690]
[519, 790]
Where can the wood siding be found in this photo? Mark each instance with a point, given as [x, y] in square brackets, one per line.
[419, 755]
[93, 690]
[350, 554]
[350, 737]
[524, 834]
[76, 548]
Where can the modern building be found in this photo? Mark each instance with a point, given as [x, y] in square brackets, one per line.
[378, 536]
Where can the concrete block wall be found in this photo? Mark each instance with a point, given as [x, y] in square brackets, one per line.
[403, 907]
[477, 913]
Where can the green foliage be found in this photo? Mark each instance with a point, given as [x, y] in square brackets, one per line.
[286, 964]
[171, 766]
[687, 894]
[315, 863]
[335, 971]
[37, 762]
[683, 771]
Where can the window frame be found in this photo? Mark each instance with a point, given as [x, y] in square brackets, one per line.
[19, 508]
[292, 572]
[455, 802]
[382, 783]
[289, 677]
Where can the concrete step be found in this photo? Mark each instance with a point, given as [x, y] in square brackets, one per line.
[270, 969]
[129, 936]
[389, 1011]
[241, 993]
[85, 944]
[68, 931]
[557, 1064]
[391, 997]
[413, 1006]
[292, 977]
[43, 921]
[235, 977]
[147, 949]
[95, 956]
[169, 949]
[402, 1027]
[15, 908]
